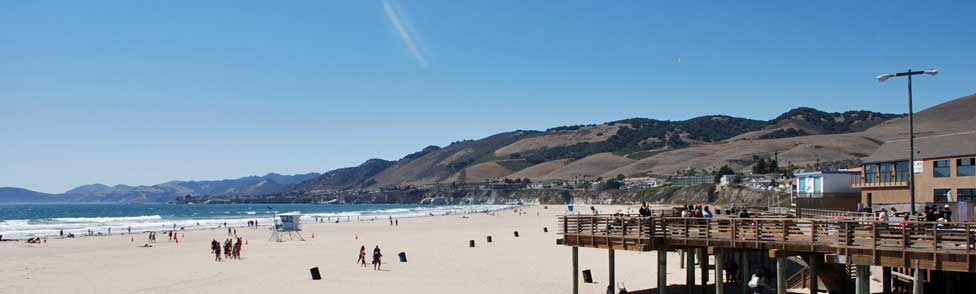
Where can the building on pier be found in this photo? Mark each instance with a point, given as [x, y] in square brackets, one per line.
[825, 190]
[945, 174]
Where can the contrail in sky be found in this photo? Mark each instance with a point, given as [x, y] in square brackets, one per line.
[407, 39]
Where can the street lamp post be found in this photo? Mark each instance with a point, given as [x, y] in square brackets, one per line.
[911, 124]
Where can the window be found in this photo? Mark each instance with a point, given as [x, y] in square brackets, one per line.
[870, 172]
[941, 169]
[941, 195]
[966, 167]
[901, 171]
[966, 194]
[816, 185]
[885, 170]
[801, 185]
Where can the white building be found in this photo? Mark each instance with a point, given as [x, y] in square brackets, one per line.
[825, 190]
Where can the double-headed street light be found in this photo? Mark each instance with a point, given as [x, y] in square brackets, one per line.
[911, 123]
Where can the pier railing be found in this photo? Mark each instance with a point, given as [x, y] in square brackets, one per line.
[944, 245]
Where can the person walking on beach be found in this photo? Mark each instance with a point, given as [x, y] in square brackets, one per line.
[377, 258]
[227, 249]
[215, 249]
[237, 249]
[362, 256]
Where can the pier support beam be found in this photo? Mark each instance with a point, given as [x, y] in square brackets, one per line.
[781, 274]
[886, 280]
[862, 283]
[703, 262]
[917, 285]
[815, 260]
[690, 270]
[575, 270]
[613, 277]
[744, 273]
[662, 271]
[719, 284]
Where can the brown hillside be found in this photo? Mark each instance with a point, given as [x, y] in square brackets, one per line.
[954, 116]
[478, 173]
[561, 138]
[590, 166]
[539, 171]
[738, 155]
[440, 164]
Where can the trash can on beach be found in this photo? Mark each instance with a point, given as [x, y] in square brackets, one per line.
[315, 273]
[403, 256]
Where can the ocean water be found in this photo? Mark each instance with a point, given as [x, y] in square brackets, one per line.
[20, 221]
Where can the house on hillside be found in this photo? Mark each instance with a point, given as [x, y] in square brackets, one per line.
[692, 180]
[944, 168]
[825, 190]
[642, 183]
[726, 180]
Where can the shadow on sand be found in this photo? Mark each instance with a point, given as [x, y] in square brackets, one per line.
[683, 289]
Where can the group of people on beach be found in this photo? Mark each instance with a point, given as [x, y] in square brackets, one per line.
[377, 257]
[231, 248]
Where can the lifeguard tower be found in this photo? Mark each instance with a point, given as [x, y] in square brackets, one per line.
[289, 223]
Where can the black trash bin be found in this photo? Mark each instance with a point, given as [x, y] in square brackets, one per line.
[516, 234]
[471, 243]
[489, 239]
[315, 273]
[403, 256]
[587, 277]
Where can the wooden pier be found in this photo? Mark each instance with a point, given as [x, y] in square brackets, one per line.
[937, 246]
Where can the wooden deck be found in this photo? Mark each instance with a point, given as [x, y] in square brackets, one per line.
[937, 246]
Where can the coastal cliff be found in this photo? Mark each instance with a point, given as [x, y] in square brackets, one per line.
[661, 195]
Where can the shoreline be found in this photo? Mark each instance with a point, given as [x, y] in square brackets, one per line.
[263, 218]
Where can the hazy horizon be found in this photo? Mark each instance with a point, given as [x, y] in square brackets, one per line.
[121, 92]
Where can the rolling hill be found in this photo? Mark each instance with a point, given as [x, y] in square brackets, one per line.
[269, 183]
[640, 146]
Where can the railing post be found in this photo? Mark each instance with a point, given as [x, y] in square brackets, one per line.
[565, 225]
[874, 242]
[969, 244]
[813, 234]
[935, 246]
[735, 229]
[708, 231]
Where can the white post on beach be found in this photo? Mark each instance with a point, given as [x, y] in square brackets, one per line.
[575, 270]
[662, 271]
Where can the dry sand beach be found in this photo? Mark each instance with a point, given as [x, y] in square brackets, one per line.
[439, 260]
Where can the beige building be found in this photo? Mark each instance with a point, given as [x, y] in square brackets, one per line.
[945, 172]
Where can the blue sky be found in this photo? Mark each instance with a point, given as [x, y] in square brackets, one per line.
[141, 92]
